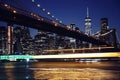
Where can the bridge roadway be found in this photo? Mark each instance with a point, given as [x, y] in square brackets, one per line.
[18, 16]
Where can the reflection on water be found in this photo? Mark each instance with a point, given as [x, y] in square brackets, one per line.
[59, 71]
[75, 73]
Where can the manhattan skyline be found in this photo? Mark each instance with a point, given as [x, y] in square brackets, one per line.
[69, 11]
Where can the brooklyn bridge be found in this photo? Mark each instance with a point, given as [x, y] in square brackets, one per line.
[104, 43]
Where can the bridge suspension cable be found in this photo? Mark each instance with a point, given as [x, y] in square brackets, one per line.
[46, 12]
[18, 4]
[107, 33]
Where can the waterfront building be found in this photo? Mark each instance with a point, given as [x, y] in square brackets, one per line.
[10, 39]
[51, 40]
[3, 40]
[41, 42]
[23, 40]
[17, 38]
[60, 42]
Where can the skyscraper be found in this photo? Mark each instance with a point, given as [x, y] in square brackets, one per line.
[23, 40]
[104, 25]
[41, 42]
[88, 24]
[10, 39]
[88, 27]
[104, 29]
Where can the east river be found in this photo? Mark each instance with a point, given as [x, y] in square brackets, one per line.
[60, 70]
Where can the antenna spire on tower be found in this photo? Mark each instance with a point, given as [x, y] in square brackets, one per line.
[88, 23]
[87, 12]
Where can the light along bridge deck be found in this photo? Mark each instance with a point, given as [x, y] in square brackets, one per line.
[62, 56]
[80, 49]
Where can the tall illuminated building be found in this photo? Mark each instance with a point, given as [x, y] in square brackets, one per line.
[88, 24]
[88, 28]
[10, 39]
[41, 42]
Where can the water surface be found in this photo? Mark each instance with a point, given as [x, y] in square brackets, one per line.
[60, 71]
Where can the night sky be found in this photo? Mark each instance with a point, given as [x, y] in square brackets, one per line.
[74, 11]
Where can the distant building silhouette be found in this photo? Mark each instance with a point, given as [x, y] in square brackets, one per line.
[104, 25]
[105, 29]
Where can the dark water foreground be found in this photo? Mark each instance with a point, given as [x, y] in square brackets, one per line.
[59, 71]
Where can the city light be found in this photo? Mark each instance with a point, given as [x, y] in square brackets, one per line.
[38, 5]
[93, 48]
[5, 5]
[43, 9]
[56, 19]
[33, 0]
[14, 11]
[52, 16]
[48, 13]
[60, 21]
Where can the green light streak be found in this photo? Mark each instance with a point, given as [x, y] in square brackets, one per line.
[7, 57]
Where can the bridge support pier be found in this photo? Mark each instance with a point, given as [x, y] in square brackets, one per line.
[10, 38]
[114, 38]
